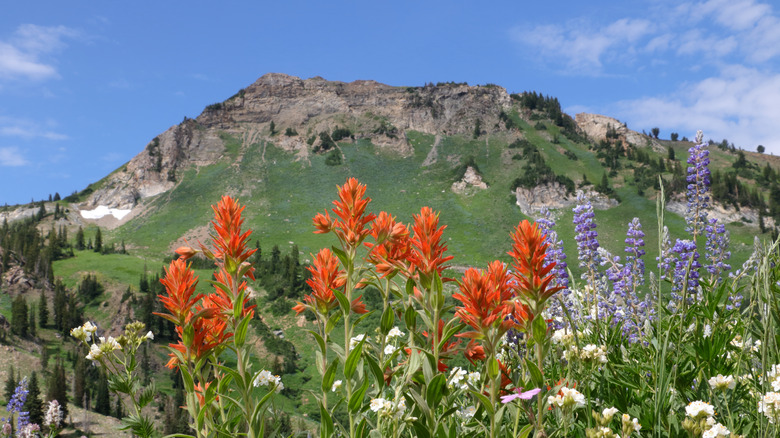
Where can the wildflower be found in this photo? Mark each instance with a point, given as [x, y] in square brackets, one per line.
[566, 398]
[392, 245]
[394, 332]
[527, 395]
[427, 252]
[474, 352]
[53, 416]
[17, 402]
[722, 383]
[389, 349]
[28, 431]
[95, 353]
[586, 237]
[336, 386]
[6, 430]
[325, 277]
[707, 332]
[229, 242]
[717, 253]
[149, 335]
[180, 282]
[699, 409]
[769, 405]
[629, 425]
[534, 277]
[474, 379]
[588, 354]
[686, 265]
[185, 252]
[378, 404]
[467, 412]
[265, 378]
[487, 301]
[715, 431]
[457, 378]
[698, 186]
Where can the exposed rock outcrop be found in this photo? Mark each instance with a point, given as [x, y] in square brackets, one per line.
[554, 196]
[597, 126]
[724, 215]
[471, 182]
[369, 109]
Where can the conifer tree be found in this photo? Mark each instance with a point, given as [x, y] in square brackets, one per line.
[98, 241]
[57, 389]
[102, 399]
[80, 239]
[43, 310]
[34, 405]
[10, 383]
[19, 318]
[79, 380]
[31, 327]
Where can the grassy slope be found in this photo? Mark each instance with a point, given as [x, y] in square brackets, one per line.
[282, 195]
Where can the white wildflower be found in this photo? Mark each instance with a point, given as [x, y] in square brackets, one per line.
[336, 386]
[149, 335]
[378, 404]
[699, 409]
[457, 378]
[707, 331]
[721, 383]
[389, 349]
[394, 332]
[608, 413]
[53, 417]
[467, 412]
[717, 430]
[265, 378]
[770, 406]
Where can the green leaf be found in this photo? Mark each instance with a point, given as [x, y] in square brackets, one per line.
[356, 401]
[539, 330]
[525, 432]
[326, 422]
[388, 318]
[410, 318]
[330, 375]
[343, 301]
[484, 401]
[240, 335]
[448, 332]
[341, 255]
[493, 368]
[536, 374]
[378, 374]
[352, 360]
[147, 395]
[435, 390]
[320, 341]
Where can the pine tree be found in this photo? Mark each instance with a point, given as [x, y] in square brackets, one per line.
[31, 327]
[57, 389]
[19, 318]
[80, 239]
[79, 380]
[60, 306]
[102, 399]
[118, 411]
[10, 383]
[44, 357]
[43, 310]
[98, 241]
[34, 404]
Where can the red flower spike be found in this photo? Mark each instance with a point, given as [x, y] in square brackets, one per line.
[392, 247]
[487, 301]
[529, 251]
[350, 224]
[185, 252]
[228, 241]
[325, 276]
[180, 282]
[427, 252]
[474, 352]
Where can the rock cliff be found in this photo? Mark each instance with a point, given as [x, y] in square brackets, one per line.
[307, 107]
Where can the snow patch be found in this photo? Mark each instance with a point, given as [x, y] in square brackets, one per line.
[102, 210]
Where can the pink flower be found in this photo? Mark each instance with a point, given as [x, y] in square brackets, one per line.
[519, 394]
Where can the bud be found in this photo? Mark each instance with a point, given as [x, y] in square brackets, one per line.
[186, 252]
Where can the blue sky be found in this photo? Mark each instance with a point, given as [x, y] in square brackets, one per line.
[85, 85]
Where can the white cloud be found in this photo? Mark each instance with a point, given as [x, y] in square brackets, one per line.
[25, 128]
[740, 104]
[22, 56]
[580, 48]
[11, 157]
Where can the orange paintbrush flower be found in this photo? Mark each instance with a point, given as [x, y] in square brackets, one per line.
[392, 245]
[228, 240]
[487, 301]
[427, 252]
[533, 278]
[222, 301]
[350, 224]
[209, 331]
[325, 276]
[474, 352]
[180, 282]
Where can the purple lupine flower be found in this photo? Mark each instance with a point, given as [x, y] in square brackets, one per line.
[586, 237]
[717, 249]
[687, 262]
[555, 254]
[634, 268]
[666, 260]
[16, 404]
[698, 187]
